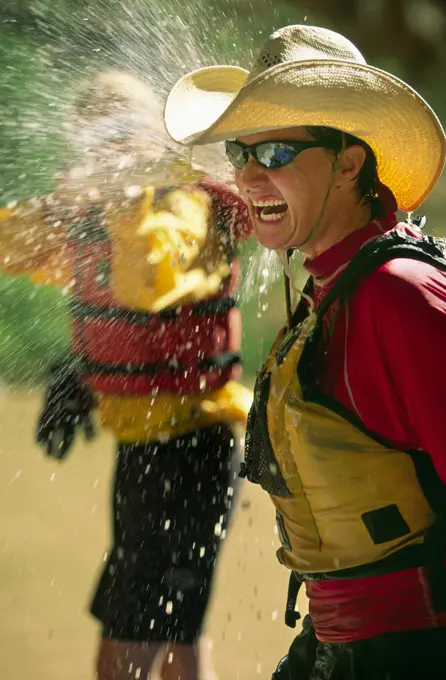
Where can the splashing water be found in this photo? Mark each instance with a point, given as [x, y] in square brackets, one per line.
[48, 63]
[262, 269]
[154, 41]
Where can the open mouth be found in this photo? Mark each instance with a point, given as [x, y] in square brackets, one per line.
[270, 211]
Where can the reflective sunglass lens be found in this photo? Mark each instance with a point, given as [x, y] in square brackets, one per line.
[273, 155]
[236, 155]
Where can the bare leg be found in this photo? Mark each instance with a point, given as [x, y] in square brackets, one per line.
[180, 663]
[118, 660]
[189, 662]
[154, 661]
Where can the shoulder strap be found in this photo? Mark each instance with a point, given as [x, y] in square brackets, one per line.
[370, 257]
[301, 311]
[383, 249]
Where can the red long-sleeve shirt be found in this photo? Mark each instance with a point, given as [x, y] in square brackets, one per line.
[383, 361]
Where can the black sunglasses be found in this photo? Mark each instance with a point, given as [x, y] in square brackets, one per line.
[269, 154]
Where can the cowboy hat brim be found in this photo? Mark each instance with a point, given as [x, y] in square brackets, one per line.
[218, 103]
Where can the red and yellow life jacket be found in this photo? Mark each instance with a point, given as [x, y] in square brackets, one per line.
[186, 349]
[154, 317]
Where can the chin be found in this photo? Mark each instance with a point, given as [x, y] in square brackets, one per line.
[274, 235]
[270, 239]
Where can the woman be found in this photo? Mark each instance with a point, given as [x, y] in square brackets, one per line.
[156, 339]
[346, 429]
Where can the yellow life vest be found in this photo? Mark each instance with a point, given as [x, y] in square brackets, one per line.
[344, 500]
[141, 419]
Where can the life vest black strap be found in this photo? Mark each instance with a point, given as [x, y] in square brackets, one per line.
[91, 367]
[301, 311]
[216, 362]
[430, 555]
[435, 555]
[220, 362]
[411, 557]
[378, 252]
[291, 614]
[214, 307]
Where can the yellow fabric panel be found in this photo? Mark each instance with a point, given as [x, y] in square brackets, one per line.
[30, 243]
[335, 473]
[164, 253]
[146, 418]
[157, 247]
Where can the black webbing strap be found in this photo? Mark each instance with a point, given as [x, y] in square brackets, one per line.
[291, 614]
[214, 307]
[376, 253]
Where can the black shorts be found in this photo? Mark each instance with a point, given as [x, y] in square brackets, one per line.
[411, 655]
[171, 507]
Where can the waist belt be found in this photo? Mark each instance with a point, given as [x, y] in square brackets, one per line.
[431, 555]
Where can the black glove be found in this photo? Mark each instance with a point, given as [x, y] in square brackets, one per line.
[68, 406]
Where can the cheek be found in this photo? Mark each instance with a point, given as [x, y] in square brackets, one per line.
[238, 181]
[240, 186]
[298, 189]
[293, 190]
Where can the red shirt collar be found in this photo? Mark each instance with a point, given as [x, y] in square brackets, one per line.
[336, 257]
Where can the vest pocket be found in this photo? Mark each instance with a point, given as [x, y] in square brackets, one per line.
[260, 465]
[283, 535]
[385, 524]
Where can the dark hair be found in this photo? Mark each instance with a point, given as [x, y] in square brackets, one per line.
[366, 181]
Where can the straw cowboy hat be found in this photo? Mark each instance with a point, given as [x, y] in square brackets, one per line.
[312, 76]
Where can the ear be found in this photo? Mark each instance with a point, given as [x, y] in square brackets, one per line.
[350, 163]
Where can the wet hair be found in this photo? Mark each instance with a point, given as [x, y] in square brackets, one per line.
[367, 179]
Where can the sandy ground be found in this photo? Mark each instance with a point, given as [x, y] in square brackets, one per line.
[53, 534]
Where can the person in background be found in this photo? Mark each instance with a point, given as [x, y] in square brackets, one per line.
[156, 337]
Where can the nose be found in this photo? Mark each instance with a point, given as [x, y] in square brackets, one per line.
[251, 175]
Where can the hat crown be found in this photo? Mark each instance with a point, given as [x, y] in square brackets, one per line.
[304, 43]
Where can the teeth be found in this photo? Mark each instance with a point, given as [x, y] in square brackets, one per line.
[265, 204]
[272, 217]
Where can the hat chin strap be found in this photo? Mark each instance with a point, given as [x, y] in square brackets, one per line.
[317, 224]
[289, 278]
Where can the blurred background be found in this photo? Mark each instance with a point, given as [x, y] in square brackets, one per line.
[47, 46]
[54, 521]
